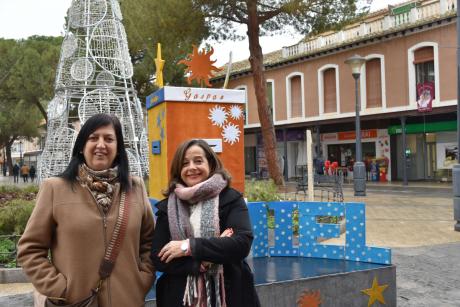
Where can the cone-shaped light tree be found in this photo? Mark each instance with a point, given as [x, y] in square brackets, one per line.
[93, 76]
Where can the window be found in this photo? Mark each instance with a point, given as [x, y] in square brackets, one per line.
[424, 76]
[329, 91]
[373, 83]
[296, 97]
[424, 69]
[270, 95]
[246, 105]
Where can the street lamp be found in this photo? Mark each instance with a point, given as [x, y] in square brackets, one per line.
[20, 152]
[359, 169]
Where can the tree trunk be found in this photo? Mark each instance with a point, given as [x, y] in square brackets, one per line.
[42, 110]
[265, 115]
[8, 157]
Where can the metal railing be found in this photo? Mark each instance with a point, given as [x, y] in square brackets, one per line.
[8, 250]
[375, 25]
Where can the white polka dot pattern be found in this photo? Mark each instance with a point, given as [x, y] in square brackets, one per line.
[355, 248]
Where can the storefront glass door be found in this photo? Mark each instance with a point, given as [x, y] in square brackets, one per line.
[431, 160]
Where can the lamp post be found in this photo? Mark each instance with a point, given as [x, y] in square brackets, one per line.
[456, 168]
[20, 153]
[359, 169]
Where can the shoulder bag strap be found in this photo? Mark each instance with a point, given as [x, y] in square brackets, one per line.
[119, 232]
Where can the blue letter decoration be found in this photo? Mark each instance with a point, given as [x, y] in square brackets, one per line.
[310, 230]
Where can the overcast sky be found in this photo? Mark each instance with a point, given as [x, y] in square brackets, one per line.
[23, 18]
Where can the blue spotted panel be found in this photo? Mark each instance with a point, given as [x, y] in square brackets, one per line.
[283, 233]
[355, 244]
[310, 230]
[258, 215]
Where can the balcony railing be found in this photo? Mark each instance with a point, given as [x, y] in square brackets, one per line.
[387, 21]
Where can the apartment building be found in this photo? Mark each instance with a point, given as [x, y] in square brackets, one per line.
[409, 78]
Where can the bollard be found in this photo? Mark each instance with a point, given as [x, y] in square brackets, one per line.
[359, 178]
[456, 192]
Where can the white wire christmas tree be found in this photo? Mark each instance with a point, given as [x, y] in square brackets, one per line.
[93, 76]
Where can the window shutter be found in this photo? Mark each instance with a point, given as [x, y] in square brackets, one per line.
[424, 54]
[373, 84]
[296, 97]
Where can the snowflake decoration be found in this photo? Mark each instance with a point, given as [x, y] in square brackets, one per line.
[231, 133]
[236, 112]
[218, 116]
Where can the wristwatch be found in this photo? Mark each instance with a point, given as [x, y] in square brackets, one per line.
[184, 247]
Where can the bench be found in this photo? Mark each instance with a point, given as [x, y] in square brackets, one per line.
[329, 185]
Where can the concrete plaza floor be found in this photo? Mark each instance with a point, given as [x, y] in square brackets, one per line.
[415, 221]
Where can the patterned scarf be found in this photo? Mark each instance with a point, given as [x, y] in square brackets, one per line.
[100, 183]
[194, 212]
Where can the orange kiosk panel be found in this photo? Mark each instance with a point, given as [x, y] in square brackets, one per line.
[176, 114]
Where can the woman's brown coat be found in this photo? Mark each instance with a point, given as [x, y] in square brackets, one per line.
[67, 221]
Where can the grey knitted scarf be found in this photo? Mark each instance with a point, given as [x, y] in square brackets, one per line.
[203, 197]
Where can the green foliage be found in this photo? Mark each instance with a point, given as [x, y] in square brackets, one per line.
[30, 189]
[27, 73]
[172, 23]
[308, 17]
[328, 219]
[7, 252]
[14, 216]
[9, 189]
[27, 70]
[262, 190]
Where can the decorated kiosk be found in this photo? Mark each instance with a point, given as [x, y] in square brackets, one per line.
[177, 114]
[293, 260]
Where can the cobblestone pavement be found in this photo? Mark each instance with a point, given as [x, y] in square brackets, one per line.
[415, 221]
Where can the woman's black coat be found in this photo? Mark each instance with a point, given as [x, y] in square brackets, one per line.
[229, 251]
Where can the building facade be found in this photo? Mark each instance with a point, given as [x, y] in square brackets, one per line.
[409, 78]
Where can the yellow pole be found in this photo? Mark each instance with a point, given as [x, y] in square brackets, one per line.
[159, 64]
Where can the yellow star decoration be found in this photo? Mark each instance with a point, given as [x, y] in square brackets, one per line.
[375, 293]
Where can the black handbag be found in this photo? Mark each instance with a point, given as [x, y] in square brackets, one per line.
[108, 262]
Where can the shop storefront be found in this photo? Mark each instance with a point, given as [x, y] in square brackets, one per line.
[431, 150]
[295, 155]
[340, 147]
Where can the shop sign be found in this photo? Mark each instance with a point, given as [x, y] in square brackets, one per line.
[351, 135]
[291, 135]
[329, 137]
[424, 127]
[192, 94]
[425, 93]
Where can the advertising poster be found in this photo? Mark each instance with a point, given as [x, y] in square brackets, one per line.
[425, 95]
[446, 155]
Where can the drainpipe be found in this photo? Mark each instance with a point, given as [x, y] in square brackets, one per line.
[404, 158]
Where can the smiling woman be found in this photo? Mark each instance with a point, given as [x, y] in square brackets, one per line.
[101, 148]
[84, 213]
[203, 234]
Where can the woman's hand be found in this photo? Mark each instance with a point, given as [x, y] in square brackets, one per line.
[206, 264]
[171, 250]
[227, 233]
